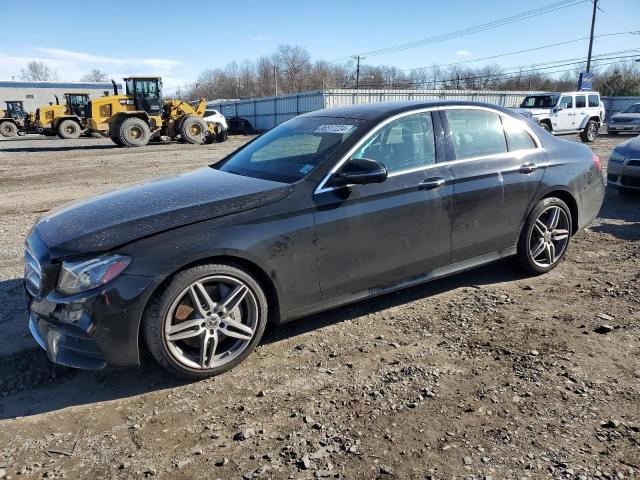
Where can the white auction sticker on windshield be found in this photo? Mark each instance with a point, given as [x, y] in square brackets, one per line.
[340, 129]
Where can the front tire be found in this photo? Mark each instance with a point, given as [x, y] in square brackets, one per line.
[545, 236]
[546, 126]
[590, 132]
[134, 132]
[8, 129]
[117, 141]
[69, 129]
[193, 130]
[207, 321]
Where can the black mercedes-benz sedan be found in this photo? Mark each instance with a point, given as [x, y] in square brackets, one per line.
[328, 208]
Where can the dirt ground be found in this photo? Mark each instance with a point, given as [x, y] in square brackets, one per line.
[486, 374]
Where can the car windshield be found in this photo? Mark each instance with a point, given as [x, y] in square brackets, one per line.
[291, 150]
[539, 101]
[632, 109]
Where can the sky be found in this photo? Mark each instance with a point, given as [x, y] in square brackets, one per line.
[178, 40]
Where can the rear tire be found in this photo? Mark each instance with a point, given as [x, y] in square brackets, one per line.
[590, 132]
[193, 130]
[8, 129]
[175, 305]
[69, 129]
[544, 238]
[133, 132]
[546, 126]
[222, 136]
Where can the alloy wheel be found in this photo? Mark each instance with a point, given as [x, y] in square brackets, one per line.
[549, 236]
[592, 131]
[211, 322]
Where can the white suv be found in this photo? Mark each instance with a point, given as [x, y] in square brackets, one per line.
[213, 116]
[568, 112]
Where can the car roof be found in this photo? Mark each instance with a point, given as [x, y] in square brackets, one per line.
[381, 110]
[583, 92]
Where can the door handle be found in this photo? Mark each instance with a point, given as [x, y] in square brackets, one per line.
[431, 183]
[528, 167]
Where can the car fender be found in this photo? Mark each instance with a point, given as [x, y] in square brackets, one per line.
[589, 116]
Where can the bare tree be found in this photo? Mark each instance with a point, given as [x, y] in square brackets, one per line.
[95, 75]
[293, 65]
[293, 70]
[38, 71]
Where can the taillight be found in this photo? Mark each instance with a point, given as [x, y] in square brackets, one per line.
[596, 162]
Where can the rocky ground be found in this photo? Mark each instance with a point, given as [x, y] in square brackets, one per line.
[486, 374]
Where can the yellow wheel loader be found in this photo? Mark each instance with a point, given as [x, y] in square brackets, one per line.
[67, 120]
[15, 120]
[140, 115]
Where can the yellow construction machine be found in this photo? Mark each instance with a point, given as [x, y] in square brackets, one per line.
[15, 120]
[67, 120]
[133, 119]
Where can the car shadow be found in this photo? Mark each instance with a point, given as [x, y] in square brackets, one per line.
[619, 215]
[31, 385]
[55, 148]
[496, 273]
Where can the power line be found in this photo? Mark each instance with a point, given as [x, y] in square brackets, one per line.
[508, 75]
[470, 30]
[574, 61]
[533, 49]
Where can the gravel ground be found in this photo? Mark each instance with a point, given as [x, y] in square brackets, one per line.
[486, 374]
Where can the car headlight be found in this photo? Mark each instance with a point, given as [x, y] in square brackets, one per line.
[616, 157]
[80, 275]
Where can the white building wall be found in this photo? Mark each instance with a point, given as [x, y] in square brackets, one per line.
[37, 94]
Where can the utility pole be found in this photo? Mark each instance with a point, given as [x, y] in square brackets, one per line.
[275, 79]
[357, 72]
[593, 24]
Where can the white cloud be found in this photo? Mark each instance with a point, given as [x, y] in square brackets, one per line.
[463, 53]
[71, 65]
[87, 58]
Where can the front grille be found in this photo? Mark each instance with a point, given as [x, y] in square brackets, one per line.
[630, 181]
[32, 273]
[633, 163]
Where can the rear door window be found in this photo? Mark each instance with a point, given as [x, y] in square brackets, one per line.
[581, 101]
[476, 133]
[517, 136]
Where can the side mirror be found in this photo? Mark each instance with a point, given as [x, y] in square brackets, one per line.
[359, 171]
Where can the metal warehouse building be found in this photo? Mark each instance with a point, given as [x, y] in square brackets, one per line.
[266, 112]
[36, 94]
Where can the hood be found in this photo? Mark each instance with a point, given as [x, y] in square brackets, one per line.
[625, 117]
[115, 218]
[532, 111]
[630, 148]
